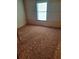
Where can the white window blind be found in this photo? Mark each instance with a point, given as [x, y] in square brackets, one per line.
[42, 11]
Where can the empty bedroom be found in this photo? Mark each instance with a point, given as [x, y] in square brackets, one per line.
[38, 29]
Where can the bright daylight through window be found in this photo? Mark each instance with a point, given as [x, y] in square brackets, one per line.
[42, 11]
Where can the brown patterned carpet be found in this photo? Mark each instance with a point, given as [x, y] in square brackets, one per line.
[37, 42]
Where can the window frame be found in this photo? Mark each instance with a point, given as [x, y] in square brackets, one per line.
[41, 11]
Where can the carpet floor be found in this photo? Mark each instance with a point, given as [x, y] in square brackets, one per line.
[37, 42]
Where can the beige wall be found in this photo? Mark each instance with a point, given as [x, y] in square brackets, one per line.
[54, 15]
[20, 14]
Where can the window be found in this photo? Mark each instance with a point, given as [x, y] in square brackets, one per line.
[42, 11]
